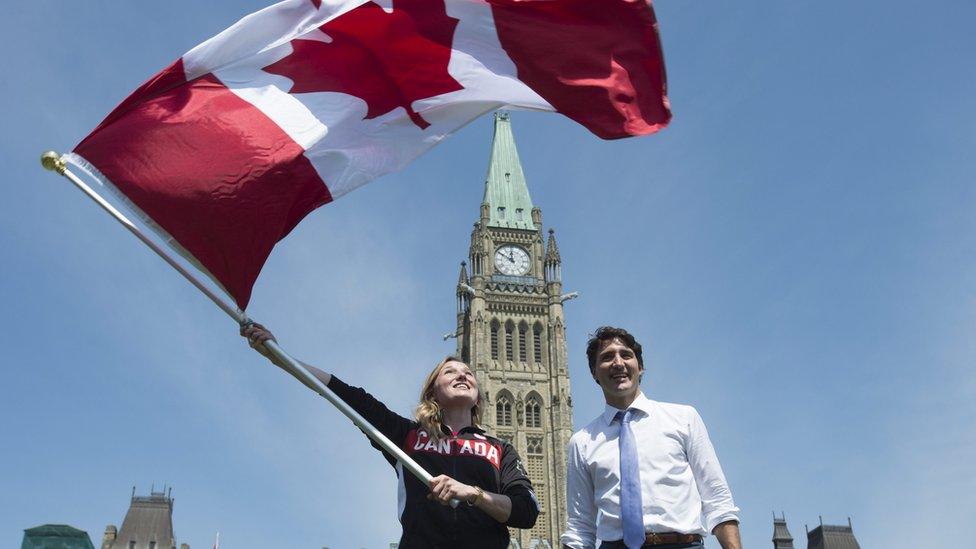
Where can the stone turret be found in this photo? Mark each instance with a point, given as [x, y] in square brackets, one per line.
[463, 291]
[108, 538]
[553, 261]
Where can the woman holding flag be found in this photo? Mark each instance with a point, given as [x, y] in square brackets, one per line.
[481, 472]
[222, 154]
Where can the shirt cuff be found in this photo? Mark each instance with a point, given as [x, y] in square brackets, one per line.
[715, 518]
[573, 540]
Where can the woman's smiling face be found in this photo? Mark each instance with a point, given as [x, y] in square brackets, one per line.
[456, 386]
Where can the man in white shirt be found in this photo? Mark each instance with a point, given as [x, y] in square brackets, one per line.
[643, 473]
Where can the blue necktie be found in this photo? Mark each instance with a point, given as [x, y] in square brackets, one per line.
[631, 513]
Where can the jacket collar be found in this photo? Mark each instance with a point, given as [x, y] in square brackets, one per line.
[469, 429]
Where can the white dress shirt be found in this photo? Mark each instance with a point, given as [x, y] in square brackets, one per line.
[682, 486]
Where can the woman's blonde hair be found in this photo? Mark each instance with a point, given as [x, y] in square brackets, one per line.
[429, 413]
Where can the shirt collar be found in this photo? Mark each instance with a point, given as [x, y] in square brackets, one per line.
[641, 403]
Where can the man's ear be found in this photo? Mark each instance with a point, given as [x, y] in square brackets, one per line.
[593, 375]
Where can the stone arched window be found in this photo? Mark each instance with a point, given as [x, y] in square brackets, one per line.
[494, 339]
[522, 347]
[537, 342]
[533, 411]
[503, 410]
[509, 348]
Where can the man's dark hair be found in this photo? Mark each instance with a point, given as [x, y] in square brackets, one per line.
[606, 334]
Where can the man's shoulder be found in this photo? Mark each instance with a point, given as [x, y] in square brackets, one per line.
[588, 431]
[674, 407]
[681, 413]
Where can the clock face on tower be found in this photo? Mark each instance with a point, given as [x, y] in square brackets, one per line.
[511, 260]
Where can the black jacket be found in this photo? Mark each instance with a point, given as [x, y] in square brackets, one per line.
[471, 457]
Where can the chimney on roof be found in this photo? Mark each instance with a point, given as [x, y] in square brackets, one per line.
[111, 532]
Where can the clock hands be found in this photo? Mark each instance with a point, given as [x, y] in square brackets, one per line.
[517, 260]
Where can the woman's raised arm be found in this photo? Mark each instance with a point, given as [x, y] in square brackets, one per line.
[257, 334]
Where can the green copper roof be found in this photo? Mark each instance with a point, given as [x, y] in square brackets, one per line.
[56, 536]
[505, 191]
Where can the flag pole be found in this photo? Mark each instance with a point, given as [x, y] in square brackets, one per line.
[54, 162]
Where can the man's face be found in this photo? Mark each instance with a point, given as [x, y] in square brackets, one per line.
[617, 370]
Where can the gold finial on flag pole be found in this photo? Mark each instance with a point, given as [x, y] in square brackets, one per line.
[52, 161]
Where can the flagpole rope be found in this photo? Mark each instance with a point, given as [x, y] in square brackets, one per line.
[54, 162]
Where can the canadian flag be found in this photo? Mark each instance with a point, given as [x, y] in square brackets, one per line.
[228, 148]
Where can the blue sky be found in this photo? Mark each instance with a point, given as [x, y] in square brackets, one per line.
[796, 252]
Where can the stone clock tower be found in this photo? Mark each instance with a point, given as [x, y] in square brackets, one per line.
[511, 330]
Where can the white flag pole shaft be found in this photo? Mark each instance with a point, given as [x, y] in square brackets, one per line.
[52, 161]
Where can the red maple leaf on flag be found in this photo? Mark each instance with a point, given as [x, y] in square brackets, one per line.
[387, 59]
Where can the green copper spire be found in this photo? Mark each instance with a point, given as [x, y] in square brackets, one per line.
[506, 194]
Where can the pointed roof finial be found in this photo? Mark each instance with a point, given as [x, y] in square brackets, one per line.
[552, 250]
[463, 275]
[506, 193]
